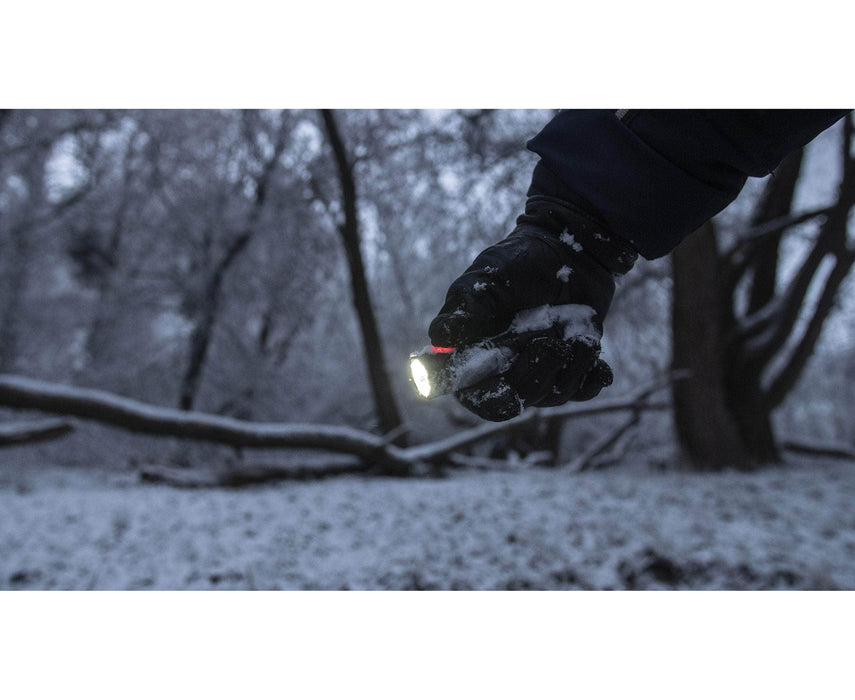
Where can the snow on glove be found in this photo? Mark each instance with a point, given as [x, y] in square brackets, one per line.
[557, 267]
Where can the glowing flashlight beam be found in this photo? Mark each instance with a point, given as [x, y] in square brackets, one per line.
[420, 376]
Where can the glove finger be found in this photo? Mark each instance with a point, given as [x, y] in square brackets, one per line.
[465, 320]
[468, 317]
[572, 377]
[537, 367]
[528, 381]
[492, 399]
[600, 377]
[482, 302]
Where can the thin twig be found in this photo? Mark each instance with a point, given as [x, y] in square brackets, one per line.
[636, 400]
[585, 461]
[819, 450]
[38, 431]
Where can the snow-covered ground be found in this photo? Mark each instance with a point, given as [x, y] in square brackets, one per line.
[792, 527]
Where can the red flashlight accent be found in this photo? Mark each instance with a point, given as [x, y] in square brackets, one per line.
[443, 350]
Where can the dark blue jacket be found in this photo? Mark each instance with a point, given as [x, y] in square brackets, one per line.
[654, 176]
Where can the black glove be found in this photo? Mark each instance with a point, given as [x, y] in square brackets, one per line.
[557, 256]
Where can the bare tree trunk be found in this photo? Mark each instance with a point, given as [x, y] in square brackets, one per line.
[742, 375]
[745, 362]
[203, 331]
[384, 399]
[21, 226]
[200, 338]
[109, 279]
[12, 301]
[776, 202]
[705, 427]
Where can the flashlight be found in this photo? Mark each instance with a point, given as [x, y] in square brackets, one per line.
[436, 371]
[430, 371]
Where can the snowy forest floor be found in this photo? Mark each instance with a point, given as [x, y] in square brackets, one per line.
[628, 528]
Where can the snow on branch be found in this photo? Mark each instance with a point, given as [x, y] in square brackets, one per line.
[373, 450]
[136, 416]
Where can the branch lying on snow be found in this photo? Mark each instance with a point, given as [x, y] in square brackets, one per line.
[136, 416]
[372, 450]
[819, 450]
[36, 431]
[585, 461]
[244, 476]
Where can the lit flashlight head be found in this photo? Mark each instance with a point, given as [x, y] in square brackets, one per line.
[430, 371]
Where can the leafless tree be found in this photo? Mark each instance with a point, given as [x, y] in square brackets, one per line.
[744, 331]
[384, 399]
[210, 298]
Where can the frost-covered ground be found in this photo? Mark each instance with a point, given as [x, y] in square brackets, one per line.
[629, 528]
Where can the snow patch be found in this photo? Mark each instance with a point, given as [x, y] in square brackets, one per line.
[564, 273]
[575, 319]
[472, 365]
[569, 239]
[500, 390]
[631, 527]
[449, 181]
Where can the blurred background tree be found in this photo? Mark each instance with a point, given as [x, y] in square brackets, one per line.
[749, 306]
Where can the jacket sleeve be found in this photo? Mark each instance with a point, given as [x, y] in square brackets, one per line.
[654, 176]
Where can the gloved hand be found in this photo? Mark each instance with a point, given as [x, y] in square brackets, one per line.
[557, 256]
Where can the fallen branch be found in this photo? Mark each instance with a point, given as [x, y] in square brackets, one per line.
[37, 431]
[819, 450]
[585, 461]
[182, 478]
[244, 476]
[375, 451]
[635, 401]
[136, 416]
